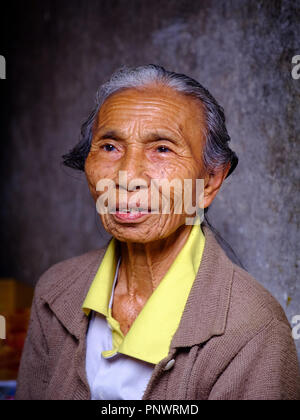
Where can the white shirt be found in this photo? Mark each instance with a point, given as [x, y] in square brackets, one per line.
[119, 377]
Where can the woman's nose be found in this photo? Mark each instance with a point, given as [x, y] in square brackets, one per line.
[132, 166]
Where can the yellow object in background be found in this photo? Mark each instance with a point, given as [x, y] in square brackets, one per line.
[15, 304]
[14, 295]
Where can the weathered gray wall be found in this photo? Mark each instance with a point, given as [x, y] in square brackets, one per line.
[61, 51]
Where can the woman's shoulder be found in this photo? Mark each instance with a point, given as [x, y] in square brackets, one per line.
[64, 273]
[252, 306]
[249, 302]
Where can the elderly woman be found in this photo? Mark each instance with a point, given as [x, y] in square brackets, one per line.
[161, 312]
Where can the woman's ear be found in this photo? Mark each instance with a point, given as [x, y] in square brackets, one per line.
[212, 184]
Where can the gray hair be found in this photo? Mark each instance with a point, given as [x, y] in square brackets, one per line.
[216, 154]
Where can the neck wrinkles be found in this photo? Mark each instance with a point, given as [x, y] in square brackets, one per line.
[143, 266]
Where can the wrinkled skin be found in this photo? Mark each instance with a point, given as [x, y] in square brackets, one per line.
[150, 133]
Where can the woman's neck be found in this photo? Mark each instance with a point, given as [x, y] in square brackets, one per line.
[143, 266]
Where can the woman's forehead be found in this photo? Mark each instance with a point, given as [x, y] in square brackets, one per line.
[153, 106]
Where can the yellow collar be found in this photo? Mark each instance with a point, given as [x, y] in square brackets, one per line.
[151, 333]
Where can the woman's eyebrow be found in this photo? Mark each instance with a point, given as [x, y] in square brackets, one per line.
[150, 136]
[158, 136]
[110, 134]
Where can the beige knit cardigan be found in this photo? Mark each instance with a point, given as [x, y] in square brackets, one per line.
[233, 342]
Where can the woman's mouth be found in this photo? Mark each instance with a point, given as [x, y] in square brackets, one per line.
[131, 214]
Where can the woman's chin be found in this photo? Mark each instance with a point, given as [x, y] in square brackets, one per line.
[141, 230]
[149, 228]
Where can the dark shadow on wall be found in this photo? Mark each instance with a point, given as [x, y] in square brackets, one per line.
[7, 150]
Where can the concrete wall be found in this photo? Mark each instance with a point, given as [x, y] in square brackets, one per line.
[59, 52]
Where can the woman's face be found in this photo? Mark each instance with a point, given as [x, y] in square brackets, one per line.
[150, 134]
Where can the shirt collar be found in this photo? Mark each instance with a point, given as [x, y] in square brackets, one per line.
[151, 333]
[64, 287]
[99, 293]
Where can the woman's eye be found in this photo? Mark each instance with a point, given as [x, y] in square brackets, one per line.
[163, 149]
[108, 147]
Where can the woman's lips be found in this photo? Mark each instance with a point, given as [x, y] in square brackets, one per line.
[126, 213]
[131, 216]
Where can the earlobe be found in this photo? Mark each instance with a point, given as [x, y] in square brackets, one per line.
[212, 184]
